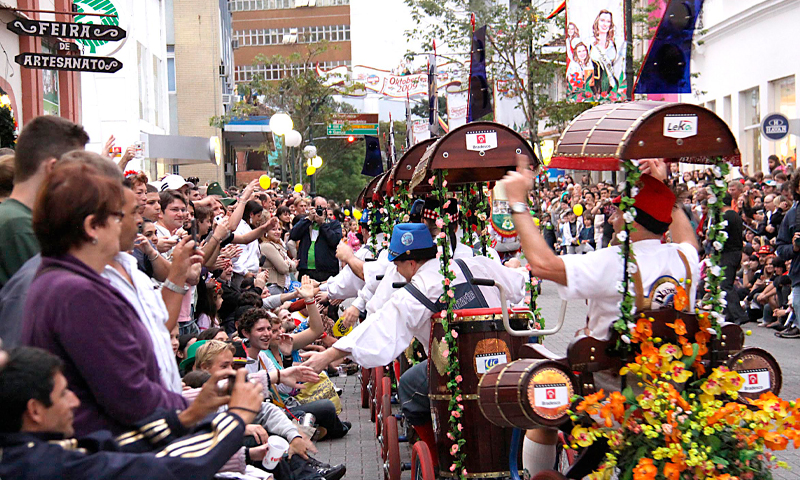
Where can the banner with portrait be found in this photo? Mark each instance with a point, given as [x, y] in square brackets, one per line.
[596, 47]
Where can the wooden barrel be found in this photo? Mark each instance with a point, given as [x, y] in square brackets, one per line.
[759, 370]
[527, 393]
[482, 344]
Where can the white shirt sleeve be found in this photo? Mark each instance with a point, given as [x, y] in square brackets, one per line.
[385, 334]
[593, 275]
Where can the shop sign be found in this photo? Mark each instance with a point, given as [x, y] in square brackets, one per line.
[45, 61]
[81, 31]
[775, 126]
[482, 140]
[680, 126]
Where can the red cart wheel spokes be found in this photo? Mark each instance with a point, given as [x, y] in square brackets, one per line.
[385, 413]
[364, 388]
[391, 466]
[421, 462]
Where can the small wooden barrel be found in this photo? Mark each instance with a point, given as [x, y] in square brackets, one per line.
[759, 370]
[482, 344]
[527, 393]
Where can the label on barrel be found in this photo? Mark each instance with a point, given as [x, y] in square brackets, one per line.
[485, 361]
[551, 395]
[755, 380]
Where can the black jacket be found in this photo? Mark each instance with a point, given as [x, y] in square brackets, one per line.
[152, 451]
[330, 234]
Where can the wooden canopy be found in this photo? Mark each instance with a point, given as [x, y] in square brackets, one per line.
[598, 138]
[366, 195]
[403, 170]
[474, 153]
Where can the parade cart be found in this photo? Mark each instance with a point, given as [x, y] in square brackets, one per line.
[531, 392]
[464, 343]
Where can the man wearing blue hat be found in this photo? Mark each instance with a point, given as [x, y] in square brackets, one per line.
[406, 314]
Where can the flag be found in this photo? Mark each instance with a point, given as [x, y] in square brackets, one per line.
[409, 123]
[373, 162]
[392, 151]
[433, 94]
[457, 108]
[480, 96]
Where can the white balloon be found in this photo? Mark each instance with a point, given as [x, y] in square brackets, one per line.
[280, 123]
[293, 138]
[310, 151]
[316, 162]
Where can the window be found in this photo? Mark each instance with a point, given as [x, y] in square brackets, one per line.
[250, 5]
[783, 101]
[750, 138]
[246, 73]
[144, 98]
[712, 105]
[171, 75]
[157, 93]
[51, 99]
[275, 36]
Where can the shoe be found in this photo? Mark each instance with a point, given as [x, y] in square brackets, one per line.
[316, 463]
[333, 473]
[774, 324]
[339, 391]
[793, 332]
[347, 426]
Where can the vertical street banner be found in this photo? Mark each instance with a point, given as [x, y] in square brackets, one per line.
[457, 108]
[480, 95]
[421, 131]
[596, 47]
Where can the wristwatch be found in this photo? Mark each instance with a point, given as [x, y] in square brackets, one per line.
[519, 207]
[175, 288]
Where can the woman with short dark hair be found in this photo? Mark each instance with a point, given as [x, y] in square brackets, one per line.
[76, 314]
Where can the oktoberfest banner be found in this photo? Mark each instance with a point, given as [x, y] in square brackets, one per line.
[596, 48]
[334, 76]
[393, 85]
[421, 130]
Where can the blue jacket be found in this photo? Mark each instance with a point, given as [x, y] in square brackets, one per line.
[785, 249]
[151, 451]
[330, 234]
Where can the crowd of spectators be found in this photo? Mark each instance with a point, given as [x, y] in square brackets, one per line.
[133, 295]
[761, 227]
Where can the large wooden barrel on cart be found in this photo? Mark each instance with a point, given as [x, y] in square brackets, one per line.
[527, 393]
[482, 344]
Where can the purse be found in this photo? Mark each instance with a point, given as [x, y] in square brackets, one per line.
[322, 389]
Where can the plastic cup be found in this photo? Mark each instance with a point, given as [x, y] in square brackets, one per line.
[278, 447]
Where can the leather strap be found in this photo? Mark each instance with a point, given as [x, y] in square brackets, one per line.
[414, 291]
[468, 275]
[643, 303]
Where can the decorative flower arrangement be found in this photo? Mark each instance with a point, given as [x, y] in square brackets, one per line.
[715, 301]
[448, 315]
[626, 307]
[683, 425]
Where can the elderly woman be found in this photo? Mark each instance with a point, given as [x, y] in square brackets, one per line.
[74, 313]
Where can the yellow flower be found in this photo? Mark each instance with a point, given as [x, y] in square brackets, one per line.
[669, 351]
[582, 436]
[679, 372]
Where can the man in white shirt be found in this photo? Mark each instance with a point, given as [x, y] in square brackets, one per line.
[595, 276]
[248, 261]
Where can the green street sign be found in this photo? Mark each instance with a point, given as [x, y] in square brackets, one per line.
[353, 124]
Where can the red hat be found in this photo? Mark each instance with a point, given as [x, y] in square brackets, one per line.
[655, 200]
[297, 305]
[764, 250]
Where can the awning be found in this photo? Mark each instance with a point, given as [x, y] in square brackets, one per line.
[181, 149]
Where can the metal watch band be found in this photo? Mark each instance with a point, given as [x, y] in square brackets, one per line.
[175, 288]
[519, 207]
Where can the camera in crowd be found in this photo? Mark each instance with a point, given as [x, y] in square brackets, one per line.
[225, 385]
[320, 211]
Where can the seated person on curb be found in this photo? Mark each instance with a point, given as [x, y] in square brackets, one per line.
[386, 333]
[258, 328]
[215, 356]
[595, 275]
[36, 429]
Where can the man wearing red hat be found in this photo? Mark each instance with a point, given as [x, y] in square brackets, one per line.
[597, 276]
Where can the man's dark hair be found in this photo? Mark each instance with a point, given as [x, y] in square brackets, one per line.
[44, 138]
[168, 196]
[250, 298]
[250, 318]
[727, 200]
[102, 165]
[196, 378]
[29, 374]
[794, 182]
[151, 189]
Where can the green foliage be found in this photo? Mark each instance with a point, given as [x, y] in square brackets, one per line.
[340, 177]
[421, 109]
[7, 137]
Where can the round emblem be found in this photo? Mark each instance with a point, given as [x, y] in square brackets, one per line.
[407, 239]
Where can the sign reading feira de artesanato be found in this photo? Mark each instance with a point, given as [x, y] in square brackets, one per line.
[81, 31]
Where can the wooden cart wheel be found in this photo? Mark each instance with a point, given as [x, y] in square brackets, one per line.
[374, 393]
[364, 388]
[391, 466]
[421, 462]
[385, 391]
[383, 415]
[386, 387]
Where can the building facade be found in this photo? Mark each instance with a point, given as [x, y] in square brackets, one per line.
[748, 70]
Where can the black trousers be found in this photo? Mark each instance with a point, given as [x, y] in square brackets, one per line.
[730, 262]
[325, 412]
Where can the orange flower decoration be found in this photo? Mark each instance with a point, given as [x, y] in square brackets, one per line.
[678, 326]
[681, 299]
[672, 471]
[589, 403]
[643, 331]
[645, 470]
[613, 408]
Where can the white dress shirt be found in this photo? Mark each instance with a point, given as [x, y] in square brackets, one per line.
[387, 332]
[149, 305]
[596, 276]
[346, 284]
[248, 260]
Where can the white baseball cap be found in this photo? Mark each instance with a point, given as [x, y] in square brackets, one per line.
[174, 182]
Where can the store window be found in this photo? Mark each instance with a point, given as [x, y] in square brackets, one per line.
[712, 105]
[51, 99]
[750, 137]
[171, 69]
[783, 101]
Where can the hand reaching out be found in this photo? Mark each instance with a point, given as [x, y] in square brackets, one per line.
[306, 289]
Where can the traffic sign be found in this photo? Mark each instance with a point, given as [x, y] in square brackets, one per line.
[344, 124]
[775, 126]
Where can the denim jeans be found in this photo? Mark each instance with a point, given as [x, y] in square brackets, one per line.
[413, 392]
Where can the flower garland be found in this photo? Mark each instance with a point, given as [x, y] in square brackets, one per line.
[451, 353]
[624, 325]
[374, 225]
[388, 219]
[715, 302]
[402, 198]
[482, 210]
[677, 429]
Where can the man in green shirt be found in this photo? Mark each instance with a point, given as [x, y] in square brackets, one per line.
[42, 141]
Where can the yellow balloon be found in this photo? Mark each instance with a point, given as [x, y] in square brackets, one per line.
[357, 214]
[264, 181]
[536, 221]
[298, 188]
[311, 170]
[578, 210]
[347, 213]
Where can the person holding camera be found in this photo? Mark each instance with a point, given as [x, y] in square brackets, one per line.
[317, 238]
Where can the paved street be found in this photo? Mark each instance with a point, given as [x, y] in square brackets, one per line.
[359, 449]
